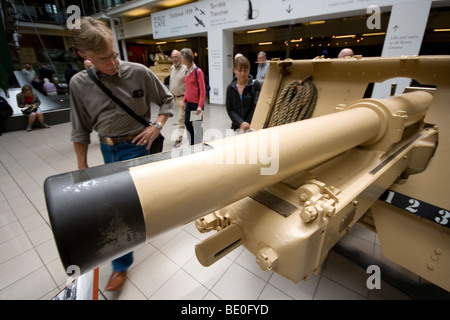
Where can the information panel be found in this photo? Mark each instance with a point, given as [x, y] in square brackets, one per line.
[203, 16]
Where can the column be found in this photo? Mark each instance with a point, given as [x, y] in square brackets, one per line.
[220, 57]
[113, 27]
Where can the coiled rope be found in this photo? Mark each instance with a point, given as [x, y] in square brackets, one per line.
[296, 102]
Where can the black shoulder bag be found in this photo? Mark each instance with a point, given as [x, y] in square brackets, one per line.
[157, 145]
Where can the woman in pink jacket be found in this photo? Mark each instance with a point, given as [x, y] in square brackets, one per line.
[195, 95]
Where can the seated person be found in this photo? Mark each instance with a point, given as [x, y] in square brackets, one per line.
[50, 88]
[38, 85]
[27, 98]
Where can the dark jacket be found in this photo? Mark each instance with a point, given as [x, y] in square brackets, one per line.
[45, 73]
[69, 74]
[240, 110]
[5, 109]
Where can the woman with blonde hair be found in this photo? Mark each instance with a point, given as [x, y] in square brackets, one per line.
[29, 99]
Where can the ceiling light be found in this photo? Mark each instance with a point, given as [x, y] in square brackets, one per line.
[173, 3]
[441, 30]
[264, 43]
[256, 30]
[138, 12]
[181, 40]
[374, 34]
[317, 22]
[345, 36]
[162, 42]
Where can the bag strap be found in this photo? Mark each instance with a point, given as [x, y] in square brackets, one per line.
[196, 77]
[115, 99]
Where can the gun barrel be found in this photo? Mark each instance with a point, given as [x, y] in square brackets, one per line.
[101, 213]
[189, 187]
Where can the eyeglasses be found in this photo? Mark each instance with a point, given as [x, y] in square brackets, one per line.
[105, 60]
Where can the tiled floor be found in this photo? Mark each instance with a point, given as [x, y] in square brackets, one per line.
[166, 267]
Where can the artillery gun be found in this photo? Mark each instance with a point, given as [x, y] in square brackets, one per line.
[162, 64]
[314, 165]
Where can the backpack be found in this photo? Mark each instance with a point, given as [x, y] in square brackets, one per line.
[207, 87]
[5, 109]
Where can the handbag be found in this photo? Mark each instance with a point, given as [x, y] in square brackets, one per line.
[157, 144]
[29, 109]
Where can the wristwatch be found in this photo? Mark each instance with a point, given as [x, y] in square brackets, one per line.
[158, 125]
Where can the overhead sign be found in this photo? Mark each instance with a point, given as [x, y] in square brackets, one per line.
[404, 37]
[406, 29]
[203, 16]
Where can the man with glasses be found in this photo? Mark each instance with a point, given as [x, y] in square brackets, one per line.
[122, 137]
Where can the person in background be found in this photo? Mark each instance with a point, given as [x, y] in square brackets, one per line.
[50, 88]
[87, 63]
[38, 85]
[346, 52]
[29, 72]
[6, 111]
[28, 98]
[44, 72]
[242, 95]
[263, 65]
[122, 137]
[195, 95]
[178, 88]
[70, 72]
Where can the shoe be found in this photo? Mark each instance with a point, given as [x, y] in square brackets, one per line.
[44, 125]
[29, 128]
[116, 281]
[178, 142]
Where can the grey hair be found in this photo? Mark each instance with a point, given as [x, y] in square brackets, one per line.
[187, 54]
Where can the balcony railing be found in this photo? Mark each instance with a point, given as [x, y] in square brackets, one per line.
[54, 12]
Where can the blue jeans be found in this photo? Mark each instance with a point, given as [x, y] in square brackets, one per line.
[120, 152]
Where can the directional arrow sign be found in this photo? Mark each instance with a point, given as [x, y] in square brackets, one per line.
[289, 10]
